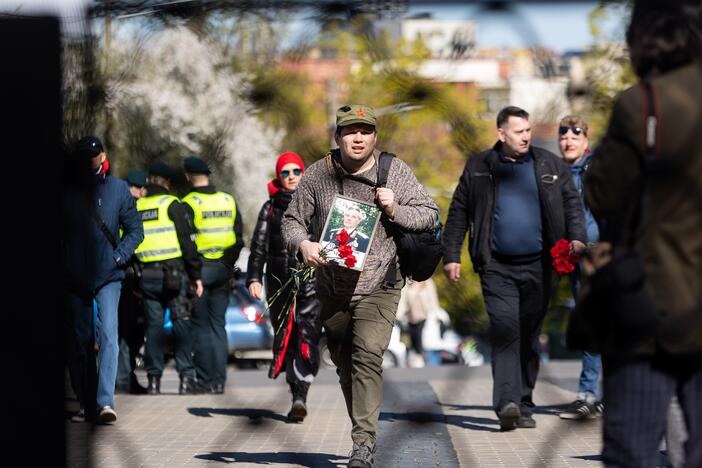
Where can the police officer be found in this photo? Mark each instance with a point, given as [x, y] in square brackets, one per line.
[219, 241]
[167, 255]
[131, 317]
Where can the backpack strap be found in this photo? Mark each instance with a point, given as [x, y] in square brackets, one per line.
[650, 145]
[384, 162]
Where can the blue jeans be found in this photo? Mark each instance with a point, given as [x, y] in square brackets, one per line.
[589, 384]
[96, 386]
[107, 299]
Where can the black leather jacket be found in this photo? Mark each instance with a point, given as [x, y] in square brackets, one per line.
[267, 246]
[473, 206]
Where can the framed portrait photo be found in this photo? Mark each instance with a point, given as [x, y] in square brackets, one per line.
[348, 232]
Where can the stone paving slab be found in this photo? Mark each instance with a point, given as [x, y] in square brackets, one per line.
[430, 417]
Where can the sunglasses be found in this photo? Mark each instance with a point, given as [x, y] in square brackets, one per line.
[286, 173]
[562, 130]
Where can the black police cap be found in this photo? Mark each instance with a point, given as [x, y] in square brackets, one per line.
[195, 165]
[161, 169]
[136, 177]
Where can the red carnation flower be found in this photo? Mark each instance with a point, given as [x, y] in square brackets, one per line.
[343, 237]
[563, 259]
[350, 261]
[345, 251]
[563, 266]
[561, 249]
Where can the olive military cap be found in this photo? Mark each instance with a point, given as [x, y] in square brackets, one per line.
[355, 113]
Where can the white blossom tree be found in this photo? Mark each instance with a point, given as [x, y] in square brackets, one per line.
[179, 99]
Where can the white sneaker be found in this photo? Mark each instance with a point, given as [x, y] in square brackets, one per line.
[107, 415]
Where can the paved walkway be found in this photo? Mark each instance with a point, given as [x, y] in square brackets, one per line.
[430, 417]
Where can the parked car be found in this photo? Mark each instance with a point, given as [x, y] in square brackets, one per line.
[394, 356]
[249, 331]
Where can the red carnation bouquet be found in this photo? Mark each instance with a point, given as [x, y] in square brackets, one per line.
[563, 259]
[306, 273]
[344, 250]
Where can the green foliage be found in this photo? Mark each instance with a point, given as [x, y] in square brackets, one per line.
[607, 62]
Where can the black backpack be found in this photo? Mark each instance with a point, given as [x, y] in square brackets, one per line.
[419, 252]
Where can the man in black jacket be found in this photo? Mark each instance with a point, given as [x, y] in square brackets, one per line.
[516, 201]
[219, 241]
[168, 255]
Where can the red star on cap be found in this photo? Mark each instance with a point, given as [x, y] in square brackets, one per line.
[360, 112]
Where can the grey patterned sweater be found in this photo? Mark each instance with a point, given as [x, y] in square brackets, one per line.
[308, 210]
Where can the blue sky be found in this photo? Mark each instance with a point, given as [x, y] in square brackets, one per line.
[561, 26]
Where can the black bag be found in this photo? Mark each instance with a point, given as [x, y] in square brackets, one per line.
[172, 279]
[419, 252]
[615, 311]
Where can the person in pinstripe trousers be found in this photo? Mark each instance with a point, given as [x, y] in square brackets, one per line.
[665, 44]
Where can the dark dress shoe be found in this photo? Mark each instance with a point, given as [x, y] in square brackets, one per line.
[509, 416]
[154, 387]
[188, 386]
[526, 422]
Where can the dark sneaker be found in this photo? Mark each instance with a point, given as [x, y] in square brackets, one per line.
[599, 408]
[508, 416]
[361, 456]
[298, 411]
[579, 410]
[107, 415]
[526, 422]
[79, 417]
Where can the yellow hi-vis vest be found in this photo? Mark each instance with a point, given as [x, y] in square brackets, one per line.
[160, 238]
[214, 220]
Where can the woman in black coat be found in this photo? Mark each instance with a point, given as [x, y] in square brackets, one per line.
[295, 348]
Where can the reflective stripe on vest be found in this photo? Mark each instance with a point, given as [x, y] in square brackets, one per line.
[160, 238]
[214, 220]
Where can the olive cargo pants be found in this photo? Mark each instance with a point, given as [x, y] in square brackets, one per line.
[358, 333]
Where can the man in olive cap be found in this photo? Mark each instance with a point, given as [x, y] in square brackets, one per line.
[357, 308]
[219, 240]
[167, 256]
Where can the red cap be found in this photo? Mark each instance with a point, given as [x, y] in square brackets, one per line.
[286, 158]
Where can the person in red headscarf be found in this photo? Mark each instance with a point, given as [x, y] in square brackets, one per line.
[295, 348]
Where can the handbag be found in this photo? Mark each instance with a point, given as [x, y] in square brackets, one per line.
[615, 311]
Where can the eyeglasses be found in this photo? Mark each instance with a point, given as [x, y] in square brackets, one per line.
[286, 173]
[562, 130]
